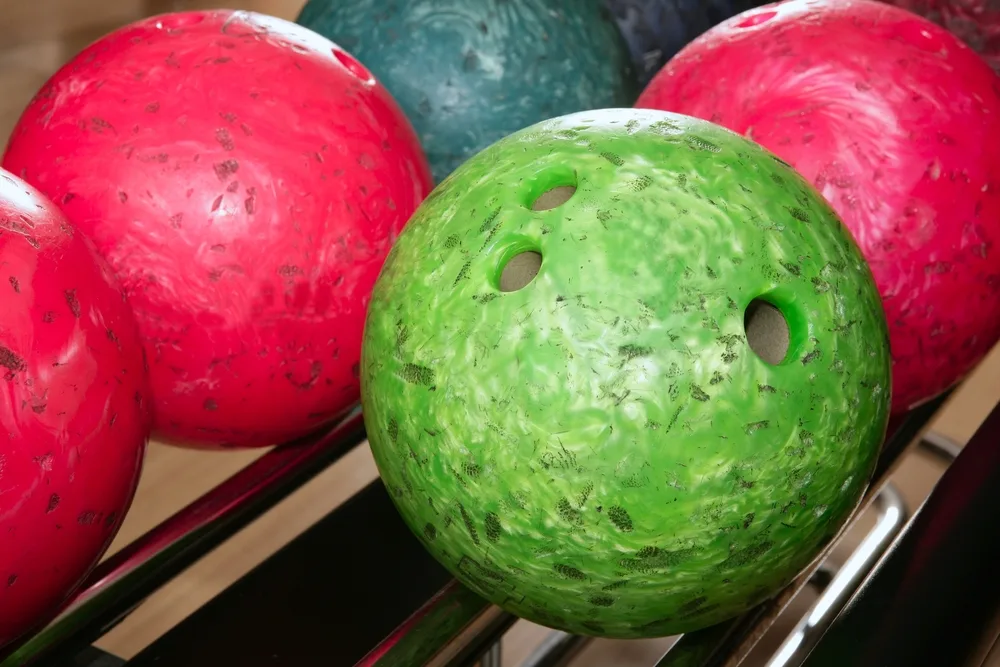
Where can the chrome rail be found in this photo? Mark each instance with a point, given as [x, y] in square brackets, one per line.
[728, 644]
[127, 577]
[892, 516]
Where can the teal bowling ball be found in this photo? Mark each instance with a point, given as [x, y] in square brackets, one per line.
[470, 72]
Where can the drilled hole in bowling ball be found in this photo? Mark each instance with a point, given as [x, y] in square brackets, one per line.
[520, 270]
[179, 20]
[756, 19]
[352, 65]
[767, 331]
[554, 197]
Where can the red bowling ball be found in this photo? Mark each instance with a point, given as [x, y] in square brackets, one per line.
[897, 123]
[976, 22]
[75, 408]
[245, 178]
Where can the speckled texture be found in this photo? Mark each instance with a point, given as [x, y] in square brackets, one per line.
[74, 410]
[245, 178]
[655, 30]
[469, 72]
[976, 22]
[601, 451]
[897, 123]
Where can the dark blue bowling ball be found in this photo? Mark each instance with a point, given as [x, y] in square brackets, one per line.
[469, 72]
[657, 29]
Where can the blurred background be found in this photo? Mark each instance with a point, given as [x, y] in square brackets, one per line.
[38, 36]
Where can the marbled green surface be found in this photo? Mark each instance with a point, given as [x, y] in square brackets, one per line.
[601, 451]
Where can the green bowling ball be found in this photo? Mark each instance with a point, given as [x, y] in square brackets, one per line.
[469, 72]
[625, 373]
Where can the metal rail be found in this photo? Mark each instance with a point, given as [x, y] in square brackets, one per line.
[728, 644]
[126, 578]
[892, 516]
[934, 599]
[449, 625]
[559, 649]
[941, 447]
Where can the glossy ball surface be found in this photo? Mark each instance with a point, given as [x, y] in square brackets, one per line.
[469, 72]
[896, 122]
[601, 450]
[975, 22]
[245, 178]
[75, 410]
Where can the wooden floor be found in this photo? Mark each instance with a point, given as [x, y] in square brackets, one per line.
[36, 37]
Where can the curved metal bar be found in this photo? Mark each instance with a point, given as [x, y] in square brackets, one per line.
[447, 626]
[934, 598]
[892, 516]
[557, 650]
[940, 446]
[126, 578]
[493, 657]
[727, 644]
[903, 431]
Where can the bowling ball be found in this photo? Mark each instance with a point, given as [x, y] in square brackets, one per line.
[976, 22]
[895, 121]
[469, 72]
[633, 412]
[245, 177]
[657, 29]
[75, 408]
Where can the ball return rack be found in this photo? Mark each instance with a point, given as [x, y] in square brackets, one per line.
[357, 588]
